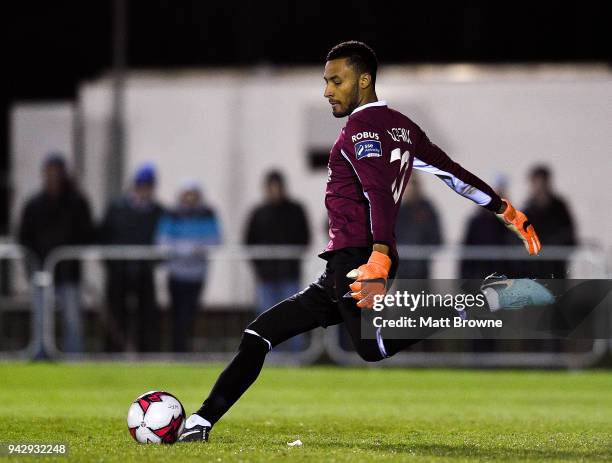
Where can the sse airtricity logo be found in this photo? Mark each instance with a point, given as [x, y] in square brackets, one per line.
[368, 149]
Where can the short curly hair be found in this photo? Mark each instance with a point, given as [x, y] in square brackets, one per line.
[360, 56]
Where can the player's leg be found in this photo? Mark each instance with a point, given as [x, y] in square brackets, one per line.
[370, 350]
[342, 262]
[527, 304]
[578, 303]
[272, 327]
[576, 312]
[283, 321]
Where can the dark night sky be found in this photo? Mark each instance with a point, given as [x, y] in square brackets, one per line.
[52, 45]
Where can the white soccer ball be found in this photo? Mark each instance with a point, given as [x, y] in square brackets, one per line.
[156, 417]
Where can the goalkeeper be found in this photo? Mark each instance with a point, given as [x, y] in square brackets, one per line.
[369, 167]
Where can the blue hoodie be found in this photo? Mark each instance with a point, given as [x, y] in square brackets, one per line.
[188, 232]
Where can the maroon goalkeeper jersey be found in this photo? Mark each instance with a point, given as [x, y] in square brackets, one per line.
[369, 167]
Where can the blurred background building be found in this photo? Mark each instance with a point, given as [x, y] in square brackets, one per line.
[223, 93]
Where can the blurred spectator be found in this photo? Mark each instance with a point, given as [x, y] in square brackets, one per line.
[417, 224]
[133, 220]
[187, 230]
[552, 220]
[59, 215]
[484, 229]
[277, 221]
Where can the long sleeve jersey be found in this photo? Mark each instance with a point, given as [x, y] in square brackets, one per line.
[369, 167]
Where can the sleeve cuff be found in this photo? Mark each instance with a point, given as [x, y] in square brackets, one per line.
[494, 204]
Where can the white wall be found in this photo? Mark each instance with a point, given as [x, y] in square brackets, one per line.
[36, 130]
[507, 126]
[227, 128]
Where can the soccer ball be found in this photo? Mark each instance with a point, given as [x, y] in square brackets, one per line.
[156, 417]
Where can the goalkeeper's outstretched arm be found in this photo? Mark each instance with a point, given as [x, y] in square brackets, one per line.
[371, 278]
[430, 158]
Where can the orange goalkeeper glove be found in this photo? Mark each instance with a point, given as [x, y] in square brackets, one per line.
[517, 223]
[371, 279]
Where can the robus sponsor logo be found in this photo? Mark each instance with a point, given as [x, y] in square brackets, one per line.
[363, 135]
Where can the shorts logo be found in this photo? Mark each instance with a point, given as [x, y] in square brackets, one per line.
[368, 149]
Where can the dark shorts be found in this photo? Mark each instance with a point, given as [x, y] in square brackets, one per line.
[328, 297]
[323, 303]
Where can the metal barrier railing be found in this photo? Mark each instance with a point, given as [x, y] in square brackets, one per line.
[156, 253]
[43, 329]
[13, 252]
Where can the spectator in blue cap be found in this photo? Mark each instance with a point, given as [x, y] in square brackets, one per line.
[132, 220]
[145, 175]
[59, 215]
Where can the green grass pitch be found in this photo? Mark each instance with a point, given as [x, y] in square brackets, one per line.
[339, 414]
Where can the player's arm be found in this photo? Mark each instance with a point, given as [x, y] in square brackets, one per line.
[376, 174]
[430, 158]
